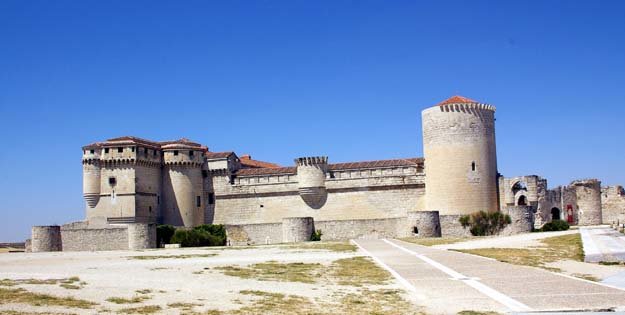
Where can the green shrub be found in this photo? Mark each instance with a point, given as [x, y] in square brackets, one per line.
[164, 232]
[555, 225]
[316, 236]
[485, 223]
[203, 235]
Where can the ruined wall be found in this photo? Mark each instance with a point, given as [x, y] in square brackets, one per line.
[362, 229]
[613, 204]
[451, 227]
[424, 223]
[522, 220]
[588, 193]
[141, 236]
[46, 239]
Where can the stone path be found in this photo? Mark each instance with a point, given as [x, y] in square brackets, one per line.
[602, 244]
[449, 282]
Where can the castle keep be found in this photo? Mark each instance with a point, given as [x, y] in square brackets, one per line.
[131, 184]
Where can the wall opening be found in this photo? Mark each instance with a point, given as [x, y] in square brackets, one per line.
[522, 201]
[473, 166]
[555, 214]
[415, 230]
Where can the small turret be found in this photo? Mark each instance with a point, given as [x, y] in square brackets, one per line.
[588, 192]
[311, 177]
[91, 174]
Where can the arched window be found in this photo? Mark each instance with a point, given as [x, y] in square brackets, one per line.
[522, 201]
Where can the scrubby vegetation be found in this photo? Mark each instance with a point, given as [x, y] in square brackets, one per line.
[316, 236]
[203, 235]
[484, 223]
[555, 225]
[164, 232]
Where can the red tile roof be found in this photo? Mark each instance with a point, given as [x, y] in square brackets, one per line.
[247, 162]
[218, 155]
[333, 167]
[457, 99]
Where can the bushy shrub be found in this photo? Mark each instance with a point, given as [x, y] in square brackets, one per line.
[316, 236]
[203, 235]
[555, 225]
[164, 232]
[485, 223]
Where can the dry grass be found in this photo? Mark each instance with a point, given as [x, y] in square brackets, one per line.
[133, 300]
[477, 313]
[274, 271]
[182, 256]
[432, 241]
[148, 309]
[183, 306]
[565, 247]
[22, 296]
[358, 271]
[8, 312]
[72, 283]
[329, 246]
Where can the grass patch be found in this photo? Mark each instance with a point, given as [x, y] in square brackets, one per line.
[182, 256]
[148, 309]
[586, 277]
[25, 297]
[358, 271]
[144, 291]
[477, 313]
[329, 246]
[275, 271]
[612, 263]
[133, 300]
[183, 306]
[9, 312]
[432, 241]
[565, 247]
[70, 286]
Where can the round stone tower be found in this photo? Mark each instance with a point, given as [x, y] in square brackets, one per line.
[297, 229]
[183, 204]
[588, 192]
[91, 174]
[311, 180]
[460, 157]
[46, 239]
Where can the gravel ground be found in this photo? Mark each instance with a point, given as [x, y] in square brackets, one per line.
[114, 274]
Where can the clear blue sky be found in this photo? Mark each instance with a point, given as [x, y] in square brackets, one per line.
[281, 79]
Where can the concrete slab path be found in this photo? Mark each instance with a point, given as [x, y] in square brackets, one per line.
[602, 243]
[449, 282]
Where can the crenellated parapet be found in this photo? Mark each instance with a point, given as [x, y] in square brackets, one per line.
[311, 177]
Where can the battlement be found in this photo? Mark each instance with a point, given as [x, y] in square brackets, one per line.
[313, 160]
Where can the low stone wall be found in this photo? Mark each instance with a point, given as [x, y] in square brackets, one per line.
[141, 236]
[46, 239]
[362, 229]
[424, 223]
[451, 227]
[613, 204]
[78, 237]
[297, 229]
[254, 234]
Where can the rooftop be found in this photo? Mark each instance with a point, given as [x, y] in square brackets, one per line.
[457, 99]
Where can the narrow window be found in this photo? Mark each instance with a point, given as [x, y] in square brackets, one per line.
[150, 209]
[191, 153]
[133, 149]
[473, 166]
[120, 150]
[198, 201]
[154, 152]
[211, 198]
[204, 173]
[106, 150]
[175, 152]
[158, 200]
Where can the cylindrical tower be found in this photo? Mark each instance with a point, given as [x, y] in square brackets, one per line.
[141, 236]
[91, 174]
[183, 184]
[46, 239]
[311, 180]
[588, 194]
[297, 229]
[460, 157]
[424, 224]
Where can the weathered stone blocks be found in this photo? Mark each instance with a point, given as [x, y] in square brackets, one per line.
[297, 229]
[46, 239]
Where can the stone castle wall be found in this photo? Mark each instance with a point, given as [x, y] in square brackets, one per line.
[46, 239]
[78, 236]
[613, 204]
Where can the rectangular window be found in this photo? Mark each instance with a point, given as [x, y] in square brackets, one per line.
[158, 200]
[191, 153]
[154, 152]
[112, 181]
[133, 149]
[198, 201]
[92, 151]
[211, 198]
[106, 150]
[120, 150]
[175, 152]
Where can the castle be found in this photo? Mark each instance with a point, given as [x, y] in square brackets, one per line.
[131, 184]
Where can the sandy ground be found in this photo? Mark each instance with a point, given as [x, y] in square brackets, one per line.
[112, 274]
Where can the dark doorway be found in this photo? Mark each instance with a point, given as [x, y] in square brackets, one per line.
[522, 201]
[555, 214]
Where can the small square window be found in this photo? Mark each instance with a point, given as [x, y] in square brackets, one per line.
[106, 150]
[211, 198]
[92, 151]
[175, 152]
[112, 181]
[120, 150]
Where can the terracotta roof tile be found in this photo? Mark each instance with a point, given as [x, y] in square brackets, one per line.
[247, 162]
[376, 164]
[457, 99]
[218, 155]
[266, 171]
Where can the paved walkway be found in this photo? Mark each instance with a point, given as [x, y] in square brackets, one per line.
[602, 244]
[449, 282]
